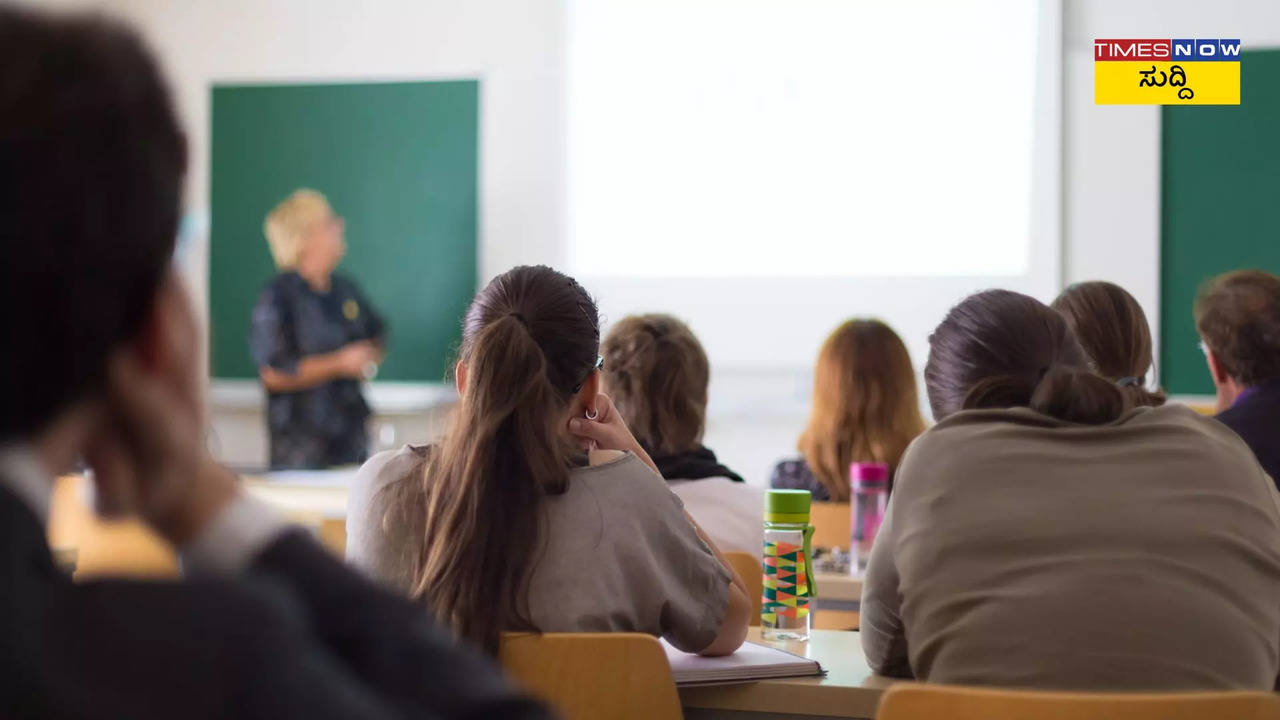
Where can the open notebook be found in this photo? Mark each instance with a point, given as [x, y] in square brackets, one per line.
[750, 662]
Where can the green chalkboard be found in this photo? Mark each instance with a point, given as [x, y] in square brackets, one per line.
[1220, 200]
[397, 160]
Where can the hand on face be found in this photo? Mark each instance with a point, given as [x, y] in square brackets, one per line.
[148, 455]
[608, 431]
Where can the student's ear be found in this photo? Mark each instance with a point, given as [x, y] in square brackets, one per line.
[1220, 376]
[585, 399]
[168, 344]
[460, 376]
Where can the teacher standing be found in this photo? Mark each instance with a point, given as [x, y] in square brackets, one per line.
[314, 338]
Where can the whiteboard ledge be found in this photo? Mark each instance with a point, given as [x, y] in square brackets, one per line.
[384, 397]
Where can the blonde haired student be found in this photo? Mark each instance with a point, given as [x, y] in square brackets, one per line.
[539, 510]
[865, 409]
[657, 373]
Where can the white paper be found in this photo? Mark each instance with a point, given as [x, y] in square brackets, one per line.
[750, 662]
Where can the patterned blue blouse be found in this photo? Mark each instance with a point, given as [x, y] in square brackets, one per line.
[324, 425]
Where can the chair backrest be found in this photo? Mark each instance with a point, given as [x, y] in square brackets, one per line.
[333, 535]
[594, 675]
[831, 524]
[101, 548]
[752, 572]
[913, 701]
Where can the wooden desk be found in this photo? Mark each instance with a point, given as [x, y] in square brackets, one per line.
[839, 602]
[315, 500]
[298, 500]
[849, 689]
[838, 592]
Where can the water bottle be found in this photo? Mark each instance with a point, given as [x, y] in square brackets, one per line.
[788, 575]
[869, 490]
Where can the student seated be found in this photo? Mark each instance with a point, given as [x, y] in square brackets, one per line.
[1112, 329]
[865, 409]
[1238, 318]
[656, 373]
[539, 510]
[1045, 533]
[106, 367]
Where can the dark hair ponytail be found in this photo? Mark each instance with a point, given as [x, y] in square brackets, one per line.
[1000, 349]
[529, 341]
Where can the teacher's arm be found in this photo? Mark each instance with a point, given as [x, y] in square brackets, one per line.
[281, 367]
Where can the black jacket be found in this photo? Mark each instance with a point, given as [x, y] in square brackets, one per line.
[299, 636]
[1256, 419]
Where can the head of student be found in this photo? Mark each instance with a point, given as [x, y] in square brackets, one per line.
[1002, 349]
[1238, 317]
[1112, 329]
[305, 234]
[656, 372]
[527, 364]
[865, 404]
[91, 163]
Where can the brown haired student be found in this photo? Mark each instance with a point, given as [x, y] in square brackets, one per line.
[1046, 533]
[657, 373]
[1238, 317]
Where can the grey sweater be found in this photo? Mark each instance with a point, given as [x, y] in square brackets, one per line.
[1020, 550]
[616, 554]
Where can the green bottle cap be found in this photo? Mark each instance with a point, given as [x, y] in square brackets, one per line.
[789, 506]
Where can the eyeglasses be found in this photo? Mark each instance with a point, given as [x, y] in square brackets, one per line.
[598, 366]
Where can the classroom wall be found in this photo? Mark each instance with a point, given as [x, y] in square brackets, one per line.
[1111, 154]
[515, 48]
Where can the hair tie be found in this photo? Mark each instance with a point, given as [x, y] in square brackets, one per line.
[520, 317]
[1127, 381]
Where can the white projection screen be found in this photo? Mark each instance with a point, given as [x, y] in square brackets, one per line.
[765, 169]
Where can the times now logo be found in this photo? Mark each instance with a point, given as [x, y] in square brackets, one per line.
[1174, 49]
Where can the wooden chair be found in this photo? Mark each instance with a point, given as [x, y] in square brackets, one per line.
[114, 548]
[333, 535]
[752, 572]
[912, 701]
[585, 676]
[1203, 409]
[831, 524]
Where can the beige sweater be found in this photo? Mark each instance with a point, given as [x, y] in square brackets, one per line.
[1020, 550]
[616, 554]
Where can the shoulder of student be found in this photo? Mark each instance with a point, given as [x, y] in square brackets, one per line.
[379, 473]
[965, 434]
[623, 474]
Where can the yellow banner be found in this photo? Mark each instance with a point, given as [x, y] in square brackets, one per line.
[1166, 83]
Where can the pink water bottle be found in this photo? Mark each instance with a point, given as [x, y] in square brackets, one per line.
[869, 496]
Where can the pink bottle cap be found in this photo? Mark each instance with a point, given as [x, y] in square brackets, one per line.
[869, 476]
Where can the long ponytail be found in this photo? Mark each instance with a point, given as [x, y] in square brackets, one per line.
[526, 344]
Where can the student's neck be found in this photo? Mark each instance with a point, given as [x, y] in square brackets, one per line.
[318, 279]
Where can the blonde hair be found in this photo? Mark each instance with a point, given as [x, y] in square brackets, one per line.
[865, 404]
[287, 225]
